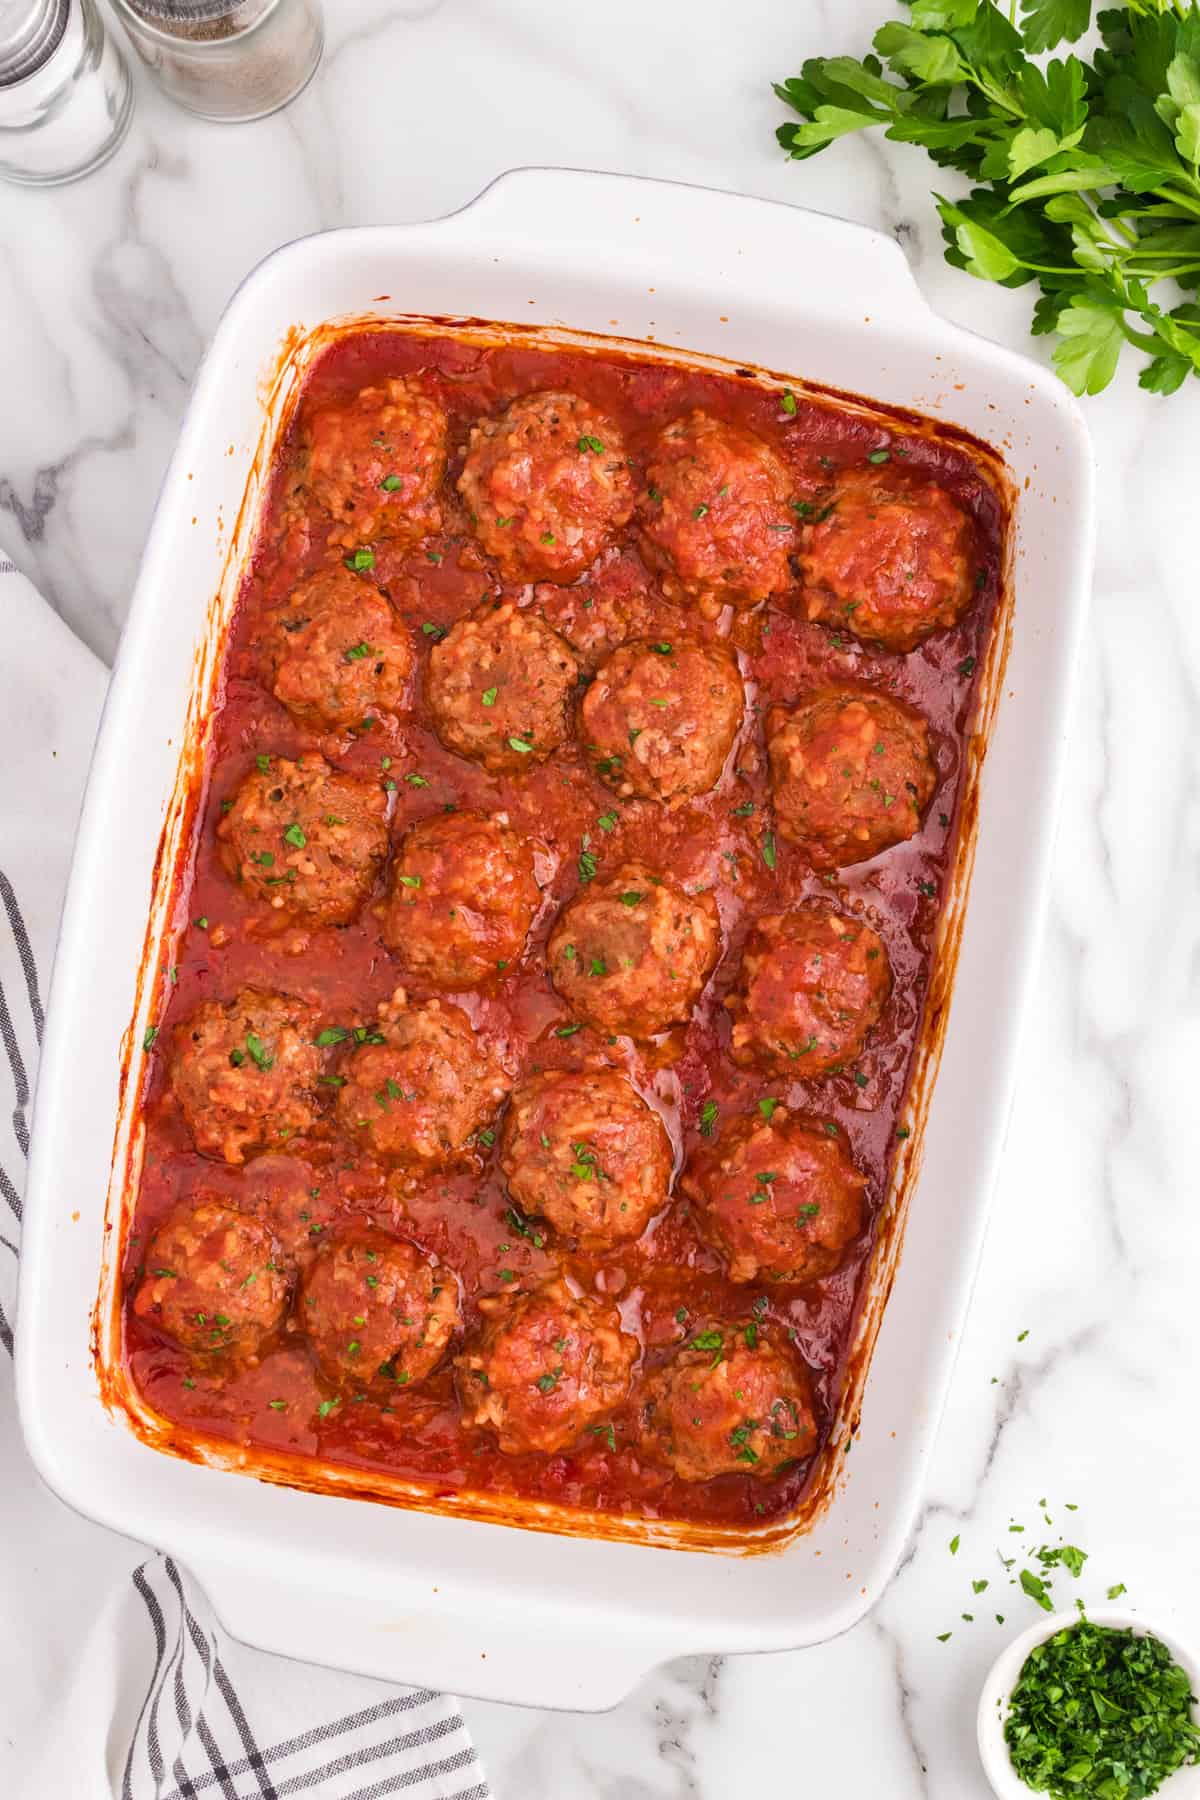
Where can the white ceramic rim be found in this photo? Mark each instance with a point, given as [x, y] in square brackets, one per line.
[1002, 1678]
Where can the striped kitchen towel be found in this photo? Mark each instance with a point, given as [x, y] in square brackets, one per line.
[116, 1680]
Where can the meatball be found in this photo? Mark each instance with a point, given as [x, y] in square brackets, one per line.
[214, 1281]
[633, 953]
[418, 1096]
[661, 716]
[598, 615]
[245, 1073]
[305, 838]
[714, 518]
[378, 1313]
[811, 985]
[728, 1402]
[375, 463]
[461, 900]
[891, 559]
[781, 1197]
[584, 1151]
[548, 485]
[851, 773]
[499, 687]
[546, 1365]
[339, 655]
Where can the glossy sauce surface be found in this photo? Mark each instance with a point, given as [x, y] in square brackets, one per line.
[669, 1280]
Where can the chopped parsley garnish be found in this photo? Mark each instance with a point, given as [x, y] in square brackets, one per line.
[390, 483]
[1098, 1711]
[357, 652]
[593, 444]
[788, 403]
[700, 512]
[708, 1117]
[362, 559]
[413, 881]
[706, 1340]
[151, 1034]
[587, 865]
[489, 696]
[436, 632]
[567, 1030]
[416, 781]
[768, 850]
[767, 1107]
[631, 897]
[521, 745]
[607, 821]
[295, 835]
[879, 456]
[516, 1221]
[259, 1052]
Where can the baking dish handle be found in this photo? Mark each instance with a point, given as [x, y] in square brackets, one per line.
[538, 1655]
[729, 237]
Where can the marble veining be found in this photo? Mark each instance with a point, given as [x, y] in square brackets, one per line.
[1079, 1365]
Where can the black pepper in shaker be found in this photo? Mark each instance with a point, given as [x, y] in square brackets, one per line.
[230, 60]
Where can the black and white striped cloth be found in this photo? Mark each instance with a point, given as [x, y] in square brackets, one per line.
[116, 1680]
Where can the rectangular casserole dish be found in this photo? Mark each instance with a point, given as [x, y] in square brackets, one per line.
[423, 1595]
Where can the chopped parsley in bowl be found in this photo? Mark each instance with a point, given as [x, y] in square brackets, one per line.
[1092, 1707]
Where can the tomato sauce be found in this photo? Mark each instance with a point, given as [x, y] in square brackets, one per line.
[668, 1279]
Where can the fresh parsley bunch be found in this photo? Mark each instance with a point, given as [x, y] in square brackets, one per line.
[1088, 173]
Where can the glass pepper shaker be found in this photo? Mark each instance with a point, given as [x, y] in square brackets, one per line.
[65, 94]
[229, 60]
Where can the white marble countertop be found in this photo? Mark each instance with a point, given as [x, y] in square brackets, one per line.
[1081, 1361]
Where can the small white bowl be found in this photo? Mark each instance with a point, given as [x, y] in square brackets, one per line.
[1002, 1678]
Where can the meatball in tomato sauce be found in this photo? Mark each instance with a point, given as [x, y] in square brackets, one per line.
[810, 986]
[548, 485]
[584, 1151]
[462, 896]
[782, 1197]
[852, 771]
[548, 1364]
[337, 655]
[660, 718]
[375, 462]
[500, 686]
[377, 1311]
[421, 1086]
[891, 558]
[305, 839]
[633, 953]
[729, 1402]
[245, 1073]
[215, 1281]
[714, 519]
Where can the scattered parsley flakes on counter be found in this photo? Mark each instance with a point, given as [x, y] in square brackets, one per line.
[954, 1543]
[1086, 173]
[1035, 1587]
[1100, 1713]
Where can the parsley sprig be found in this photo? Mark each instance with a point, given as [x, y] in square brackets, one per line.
[1088, 173]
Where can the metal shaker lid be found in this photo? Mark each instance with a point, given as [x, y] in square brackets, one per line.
[30, 33]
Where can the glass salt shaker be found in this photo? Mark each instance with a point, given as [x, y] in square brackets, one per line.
[229, 60]
[65, 94]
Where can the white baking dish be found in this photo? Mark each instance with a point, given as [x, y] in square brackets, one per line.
[420, 1596]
